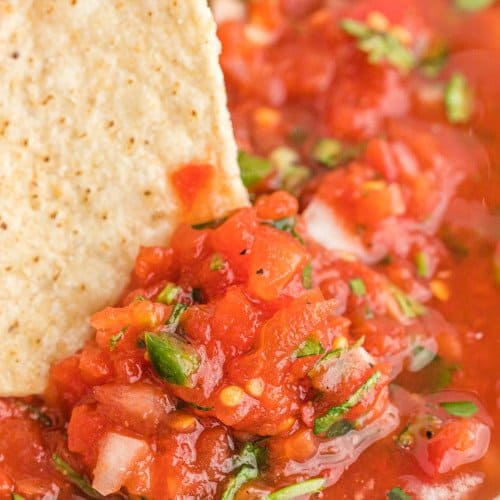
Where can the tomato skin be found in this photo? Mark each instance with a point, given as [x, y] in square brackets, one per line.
[456, 443]
[188, 245]
[85, 430]
[128, 321]
[153, 263]
[235, 322]
[95, 366]
[275, 258]
[277, 205]
[66, 386]
[280, 336]
[234, 240]
[265, 13]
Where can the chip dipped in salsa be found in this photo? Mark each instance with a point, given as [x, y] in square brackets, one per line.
[338, 338]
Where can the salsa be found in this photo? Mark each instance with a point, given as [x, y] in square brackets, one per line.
[336, 339]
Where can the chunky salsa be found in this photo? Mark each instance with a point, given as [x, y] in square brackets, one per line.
[337, 339]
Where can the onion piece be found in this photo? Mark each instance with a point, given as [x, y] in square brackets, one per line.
[327, 229]
[118, 455]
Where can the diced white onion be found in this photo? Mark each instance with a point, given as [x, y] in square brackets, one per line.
[327, 229]
[117, 456]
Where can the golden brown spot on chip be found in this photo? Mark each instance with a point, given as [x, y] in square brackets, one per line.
[13, 326]
[158, 215]
[5, 124]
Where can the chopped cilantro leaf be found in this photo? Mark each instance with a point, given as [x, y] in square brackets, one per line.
[472, 5]
[75, 478]
[310, 347]
[175, 316]
[410, 307]
[358, 287]
[286, 224]
[380, 45]
[249, 461]
[198, 407]
[16, 496]
[211, 224]
[217, 262]
[459, 408]
[340, 428]
[328, 152]
[458, 99]
[434, 60]
[307, 280]
[298, 489]
[115, 339]
[422, 264]
[169, 294]
[253, 169]
[37, 414]
[244, 475]
[335, 414]
[397, 493]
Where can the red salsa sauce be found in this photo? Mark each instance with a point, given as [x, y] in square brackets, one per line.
[335, 340]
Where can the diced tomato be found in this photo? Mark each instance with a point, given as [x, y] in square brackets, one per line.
[23, 455]
[277, 205]
[458, 442]
[358, 106]
[275, 258]
[235, 322]
[265, 14]
[94, 364]
[85, 431]
[280, 337]
[234, 240]
[139, 315]
[138, 406]
[153, 263]
[67, 385]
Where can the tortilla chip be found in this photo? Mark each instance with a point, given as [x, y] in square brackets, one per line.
[100, 102]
